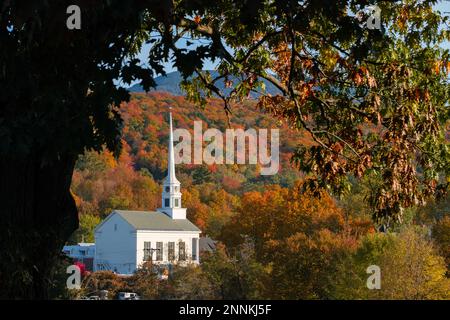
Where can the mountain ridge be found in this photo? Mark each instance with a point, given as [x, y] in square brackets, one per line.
[171, 83]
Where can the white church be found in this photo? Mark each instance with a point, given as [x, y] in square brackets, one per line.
[127, 239]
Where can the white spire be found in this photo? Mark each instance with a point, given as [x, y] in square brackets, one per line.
[171, 194]
[171, 178]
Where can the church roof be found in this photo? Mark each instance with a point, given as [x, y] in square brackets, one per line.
[154, 220]
[207, 244]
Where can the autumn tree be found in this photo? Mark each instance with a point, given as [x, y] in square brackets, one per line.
[236, 274]
[441, 234]
[297, 238]
[101, 184]
[409, 263]
[145, 281]
[103, 280]
[85, 232]
[436, 215]
[373, 100]
[189, 283]
[303, 266]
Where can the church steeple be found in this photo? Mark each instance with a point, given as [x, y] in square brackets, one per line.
[171, 178]
[171, 195]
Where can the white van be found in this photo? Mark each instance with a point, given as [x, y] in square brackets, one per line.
[128, 296]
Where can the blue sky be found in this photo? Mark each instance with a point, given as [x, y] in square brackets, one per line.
[209, 65]
[444, 7]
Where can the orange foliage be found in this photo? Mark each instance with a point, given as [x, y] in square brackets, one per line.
[300, 236]
[133, 180]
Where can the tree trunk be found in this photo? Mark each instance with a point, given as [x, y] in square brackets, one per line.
[37, 215]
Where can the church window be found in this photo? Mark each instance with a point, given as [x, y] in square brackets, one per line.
[159, 251]
[176, 202]
[171, 252]
[147, 250]
[167, 202]
[181, 251]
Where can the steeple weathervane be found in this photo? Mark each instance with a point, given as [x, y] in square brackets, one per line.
[171, 195]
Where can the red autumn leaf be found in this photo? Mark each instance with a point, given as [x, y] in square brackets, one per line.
[197, 19]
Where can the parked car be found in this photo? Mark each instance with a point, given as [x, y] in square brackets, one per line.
[128, 296]
[94, 298]
[103, 294]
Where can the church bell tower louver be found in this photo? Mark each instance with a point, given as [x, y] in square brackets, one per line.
[171, 194]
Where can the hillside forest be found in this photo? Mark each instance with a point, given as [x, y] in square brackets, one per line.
[276, 239]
